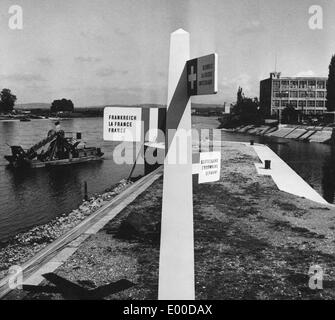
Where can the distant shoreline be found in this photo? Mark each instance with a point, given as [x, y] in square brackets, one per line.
[35, 116]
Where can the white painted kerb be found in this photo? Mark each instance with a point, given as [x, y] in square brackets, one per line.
[284, 176]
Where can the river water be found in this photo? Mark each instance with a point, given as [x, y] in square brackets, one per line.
[314, 162]
[36, 196]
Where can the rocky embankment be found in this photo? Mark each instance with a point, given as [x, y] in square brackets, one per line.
[24, 245]
[297, 132]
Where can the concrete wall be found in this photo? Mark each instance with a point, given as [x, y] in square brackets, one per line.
[307, 135]
[296, 133]
[246, 128]
[321, 136]
[282, 132]
[271, 129]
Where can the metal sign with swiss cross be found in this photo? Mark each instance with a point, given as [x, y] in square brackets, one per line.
[202, 75]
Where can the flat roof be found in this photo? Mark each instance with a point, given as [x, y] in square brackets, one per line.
[296, 78]
[300, 78]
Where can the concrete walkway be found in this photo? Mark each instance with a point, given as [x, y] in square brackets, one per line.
[285, 178]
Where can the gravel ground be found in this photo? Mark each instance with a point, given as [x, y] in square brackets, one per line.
[252, 241]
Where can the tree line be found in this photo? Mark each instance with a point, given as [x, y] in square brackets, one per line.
[62, 105]
[330, 102]
[244, 111]
[8, 99]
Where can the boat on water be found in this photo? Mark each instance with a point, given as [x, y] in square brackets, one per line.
[61, 150]
[25, 120]
[5, 117]
[34, 116]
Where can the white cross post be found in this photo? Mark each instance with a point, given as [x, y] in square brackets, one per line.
[176, 263]
[192, 77]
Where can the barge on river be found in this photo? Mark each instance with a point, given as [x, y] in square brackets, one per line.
[61, 150]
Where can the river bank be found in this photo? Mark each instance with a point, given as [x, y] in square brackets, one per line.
[25, 245]
[297, 132]
[252, 241]
[37, 196]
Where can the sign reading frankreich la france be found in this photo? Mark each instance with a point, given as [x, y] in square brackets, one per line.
[122, 124]
[202, 75]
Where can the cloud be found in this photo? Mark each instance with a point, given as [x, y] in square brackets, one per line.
[253, 26]
[20, 77]
[308, 73]
[242, 80]
[162, 74]
[228, 86]
[119, 32]
[92, 36]
[87, 59]
[45, 60]
[36, 86]
[110, 71]
[71, 88]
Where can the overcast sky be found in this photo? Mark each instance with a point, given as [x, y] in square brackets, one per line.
[99, 52]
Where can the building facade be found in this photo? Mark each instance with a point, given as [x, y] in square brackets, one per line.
[305, 94]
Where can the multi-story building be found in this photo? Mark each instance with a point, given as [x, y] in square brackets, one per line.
[306, 94]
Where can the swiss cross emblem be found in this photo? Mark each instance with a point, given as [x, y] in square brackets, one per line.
[202, 75]
[192, 77]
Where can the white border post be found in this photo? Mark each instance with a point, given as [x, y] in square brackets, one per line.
[176, 264]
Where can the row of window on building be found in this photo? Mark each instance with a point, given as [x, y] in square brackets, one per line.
[299, 84]
[299, 94]
[276, 112]
[320, 104]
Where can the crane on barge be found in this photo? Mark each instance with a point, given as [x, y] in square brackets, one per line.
[62, 150]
